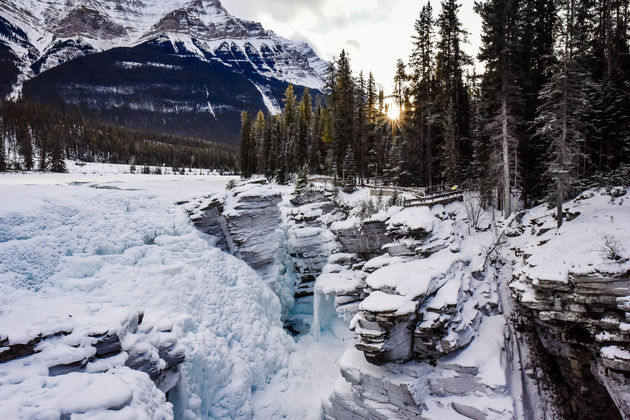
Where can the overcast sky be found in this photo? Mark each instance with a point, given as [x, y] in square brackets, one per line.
[375, 32]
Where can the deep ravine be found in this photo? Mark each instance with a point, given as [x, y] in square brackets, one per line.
[440, 328]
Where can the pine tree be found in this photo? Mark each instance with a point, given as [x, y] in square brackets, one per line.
[537, 22]
[452, 101]
[450, 171]
[3, 161]
[305, 121]
[343, 108]
[246, 144]
[290, 122]
[301, 185]
[57, 161]
[422, 65]
[400, 79]
[349, 171]
[361, 146]
[259, 136]
[501, 51]
[564, 102]
[25, 145]
[315, 148]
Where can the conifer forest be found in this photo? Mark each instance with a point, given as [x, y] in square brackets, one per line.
[548, 115]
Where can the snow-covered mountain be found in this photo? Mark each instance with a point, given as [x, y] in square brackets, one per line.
[173, 65]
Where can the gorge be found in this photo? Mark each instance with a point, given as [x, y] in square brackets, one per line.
[263, 304]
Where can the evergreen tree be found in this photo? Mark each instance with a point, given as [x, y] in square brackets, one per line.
[501, 51]
[452, 98]
[57, 161]
[260, 148]
[3, 161]
[301, 185]
[400, 78]
[23, 139]
[361, 147]
[246, 144]
[290, 122]
[349, 171]
[422, 65]
[305, 121]
[564, 102]
[343, 108]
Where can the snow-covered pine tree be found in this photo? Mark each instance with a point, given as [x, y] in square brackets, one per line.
[564, 103]
[349, 171]
[501, 51]
[301, 185]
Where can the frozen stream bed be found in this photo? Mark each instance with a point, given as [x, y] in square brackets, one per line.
[84, 251]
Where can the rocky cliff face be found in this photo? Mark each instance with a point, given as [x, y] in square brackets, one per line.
[574, 284]
[438, 332]
[245, 222]
[178, 67]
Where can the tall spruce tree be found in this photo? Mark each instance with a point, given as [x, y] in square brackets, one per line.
[349, 170]
[305, 121]
[3, 158]
[501, 52]
[246, 144]
[422, 65]
[564, 103]
[452, 99]
[343, 108]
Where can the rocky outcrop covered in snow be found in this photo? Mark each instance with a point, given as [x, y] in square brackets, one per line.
[244, 221]
[90, 366]
[427, 320]
[574, 285]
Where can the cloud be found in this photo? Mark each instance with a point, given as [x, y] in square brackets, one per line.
[375, 32]
[354, 43]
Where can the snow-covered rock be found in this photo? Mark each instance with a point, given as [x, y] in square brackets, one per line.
[576, 287]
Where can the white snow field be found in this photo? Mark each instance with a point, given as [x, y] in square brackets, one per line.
[84, 250]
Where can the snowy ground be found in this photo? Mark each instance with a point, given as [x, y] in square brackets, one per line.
[97, 242]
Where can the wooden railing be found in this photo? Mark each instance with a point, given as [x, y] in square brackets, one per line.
[431, 200]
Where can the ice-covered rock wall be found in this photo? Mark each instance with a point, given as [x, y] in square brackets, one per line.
[244, 221]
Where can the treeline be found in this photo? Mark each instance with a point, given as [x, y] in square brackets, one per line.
[550, 111]
[41, 137]
[349, 136]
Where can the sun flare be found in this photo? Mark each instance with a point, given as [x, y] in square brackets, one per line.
[393, 112]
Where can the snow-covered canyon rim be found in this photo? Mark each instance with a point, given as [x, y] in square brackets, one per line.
[171, 296]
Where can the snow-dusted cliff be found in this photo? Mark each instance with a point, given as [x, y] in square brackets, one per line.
[438, 332]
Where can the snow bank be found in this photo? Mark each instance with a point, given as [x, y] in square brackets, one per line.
[78, 249]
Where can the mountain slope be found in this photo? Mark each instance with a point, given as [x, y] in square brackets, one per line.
[185, 67]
